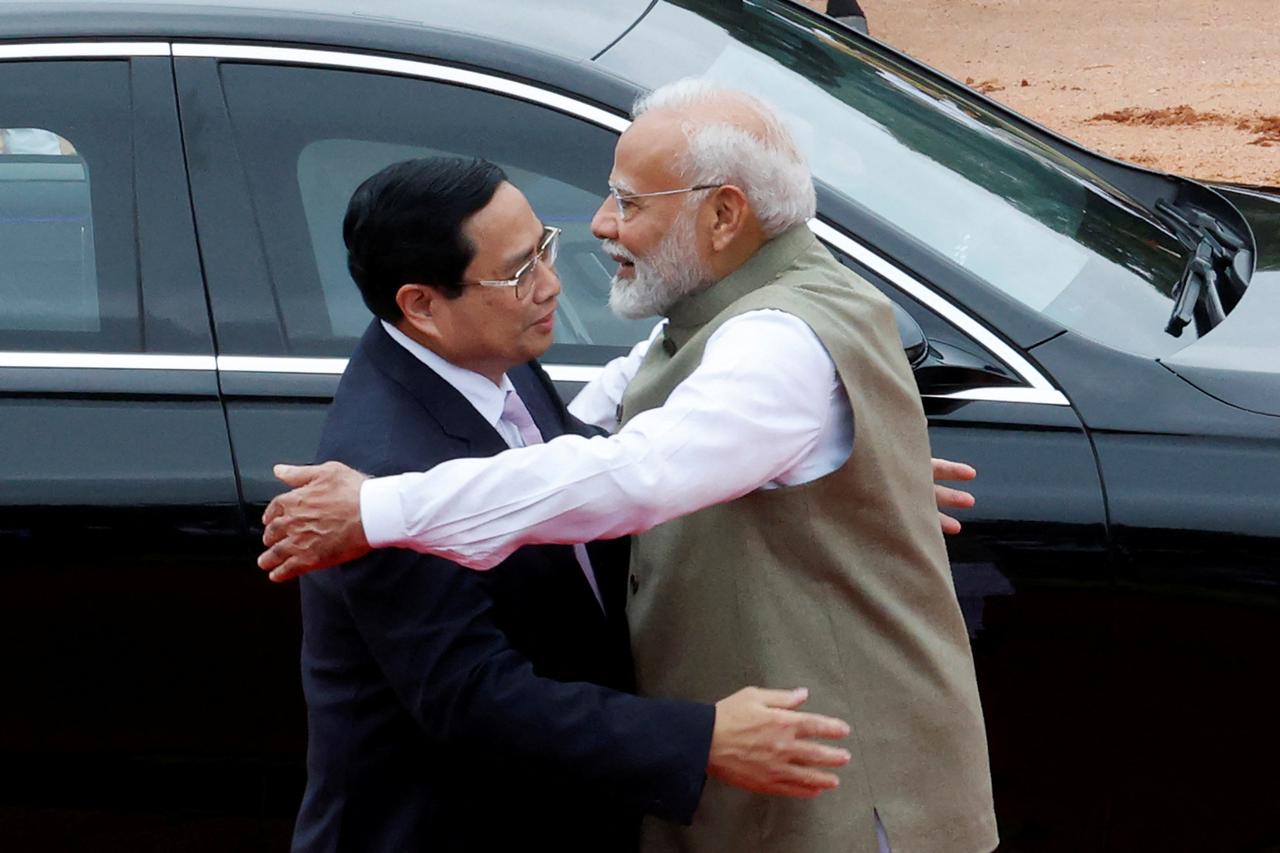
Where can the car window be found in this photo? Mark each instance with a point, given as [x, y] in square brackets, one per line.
[49, 280]
[973, 188]
[68, 267]
[308, 137]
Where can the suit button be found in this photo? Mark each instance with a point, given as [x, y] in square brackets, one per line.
[635, 583]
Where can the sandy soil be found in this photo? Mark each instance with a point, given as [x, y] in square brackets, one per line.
[1187, 86]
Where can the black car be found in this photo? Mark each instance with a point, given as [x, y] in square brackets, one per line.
[1099, 340]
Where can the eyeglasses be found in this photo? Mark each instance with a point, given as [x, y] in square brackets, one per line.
[625, 207]
[522, 282]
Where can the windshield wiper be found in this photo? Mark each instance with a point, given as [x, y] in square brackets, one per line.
[1195, 282]
[1215, 251]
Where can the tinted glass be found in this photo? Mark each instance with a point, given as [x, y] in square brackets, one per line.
[49, 280]
[310, 136]
[970, 186]
[68, 274]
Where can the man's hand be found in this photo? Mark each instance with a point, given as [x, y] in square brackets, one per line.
[761, 743]
[944, 469]
[316, 525]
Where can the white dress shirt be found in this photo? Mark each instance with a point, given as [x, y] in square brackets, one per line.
[490, 401]
[763, 409]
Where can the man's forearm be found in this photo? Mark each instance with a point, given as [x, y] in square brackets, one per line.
[739, 421]
[733, 425]
[478, 511]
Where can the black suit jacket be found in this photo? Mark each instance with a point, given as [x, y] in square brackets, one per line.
[450, 710]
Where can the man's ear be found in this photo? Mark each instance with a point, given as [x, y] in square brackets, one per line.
[731, 211]
[419, 303]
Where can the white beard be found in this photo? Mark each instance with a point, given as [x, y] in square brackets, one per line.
[662, 278]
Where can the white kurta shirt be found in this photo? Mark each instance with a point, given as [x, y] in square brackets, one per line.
[763, 409]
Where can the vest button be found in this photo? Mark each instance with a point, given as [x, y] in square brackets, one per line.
[635, 583]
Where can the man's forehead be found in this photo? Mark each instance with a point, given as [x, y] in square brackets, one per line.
[505, 230]
[646, 151]
[657, 139]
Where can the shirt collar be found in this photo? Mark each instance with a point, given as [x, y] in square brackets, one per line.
[485, 397]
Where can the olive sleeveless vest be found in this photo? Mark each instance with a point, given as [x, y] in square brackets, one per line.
[841, 585]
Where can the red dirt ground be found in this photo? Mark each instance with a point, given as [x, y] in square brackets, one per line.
[1186, 86]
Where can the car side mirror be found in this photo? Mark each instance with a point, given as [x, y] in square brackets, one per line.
[914, 343]
[942, 368]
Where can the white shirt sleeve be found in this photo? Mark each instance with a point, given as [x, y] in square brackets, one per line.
[597, 403]
[752, 409]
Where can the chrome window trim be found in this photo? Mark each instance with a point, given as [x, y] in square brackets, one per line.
[1008, 394]
[573, 372]
[226, 363]
[406, 68]
[108, 361]
[335, 367]
[1038, 389]
[77, 49]
[275, 364]
[1045, 392]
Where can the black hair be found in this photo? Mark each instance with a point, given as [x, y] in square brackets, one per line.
[404, 225]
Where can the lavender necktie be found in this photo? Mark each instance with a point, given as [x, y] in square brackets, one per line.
[517, 414]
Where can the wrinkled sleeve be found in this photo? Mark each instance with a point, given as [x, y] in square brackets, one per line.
[753, 408]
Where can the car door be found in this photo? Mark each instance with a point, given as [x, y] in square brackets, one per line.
[276, 145]
[1032, 568]
[1190, 486]
[127, 647]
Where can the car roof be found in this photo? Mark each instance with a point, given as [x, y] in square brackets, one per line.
[574, 30]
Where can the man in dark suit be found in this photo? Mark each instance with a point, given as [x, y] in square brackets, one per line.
[450, 710]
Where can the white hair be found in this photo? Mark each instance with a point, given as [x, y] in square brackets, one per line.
[770, 170]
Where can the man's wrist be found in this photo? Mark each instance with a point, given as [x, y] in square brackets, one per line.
[380, 513]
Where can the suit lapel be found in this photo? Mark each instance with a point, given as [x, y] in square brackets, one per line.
[544, 409]
[441, 401]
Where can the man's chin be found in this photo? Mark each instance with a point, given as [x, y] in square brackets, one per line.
[537, 346]
[623, 307]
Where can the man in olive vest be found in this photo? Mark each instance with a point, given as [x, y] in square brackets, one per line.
[771, 458]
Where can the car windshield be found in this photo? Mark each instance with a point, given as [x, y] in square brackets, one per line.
[936, 163]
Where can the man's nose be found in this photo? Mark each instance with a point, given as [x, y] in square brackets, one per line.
[547, 286]
[604, 225]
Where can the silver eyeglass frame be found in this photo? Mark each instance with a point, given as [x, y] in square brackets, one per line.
[548, 245]
[619, 197]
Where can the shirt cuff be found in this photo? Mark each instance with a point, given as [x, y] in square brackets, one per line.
[380, 512]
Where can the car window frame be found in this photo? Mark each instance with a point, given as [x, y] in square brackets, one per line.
[171, 347]
[1035, 387]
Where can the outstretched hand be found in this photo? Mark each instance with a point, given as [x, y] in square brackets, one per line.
[948, 498]
[317, 524]
[761, 743]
